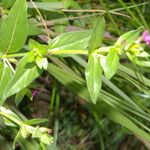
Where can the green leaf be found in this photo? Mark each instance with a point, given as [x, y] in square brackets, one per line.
[71, 41]
[13, 32]
[44, 63]
[93, 74]
[41, 62]
[10, 118]
[36, 133]
[25, 73]
[97, 34]
[8, 3]
[49, 6]
[6, 74]
[24, 131]
[110, 65]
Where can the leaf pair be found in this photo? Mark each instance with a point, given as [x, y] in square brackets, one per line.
[25, 73]
[110, 63]
[93, 70]
[40, 51]
[13, 34]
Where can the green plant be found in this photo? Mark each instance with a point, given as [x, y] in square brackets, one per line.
[20, 66]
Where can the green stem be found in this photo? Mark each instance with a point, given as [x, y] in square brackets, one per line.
[56, 122]
[13, 55]
[9, 64]
[56, 52]
[50, 52]
[93, 11]
[61, 52]
[132, 6]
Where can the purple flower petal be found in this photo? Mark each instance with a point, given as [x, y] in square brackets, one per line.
[148, 42]
[35, 93]
[145, 33]
[146, 37]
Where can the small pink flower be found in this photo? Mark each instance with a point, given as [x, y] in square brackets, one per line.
[35, 93]
[146, 37]
[144, 34]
